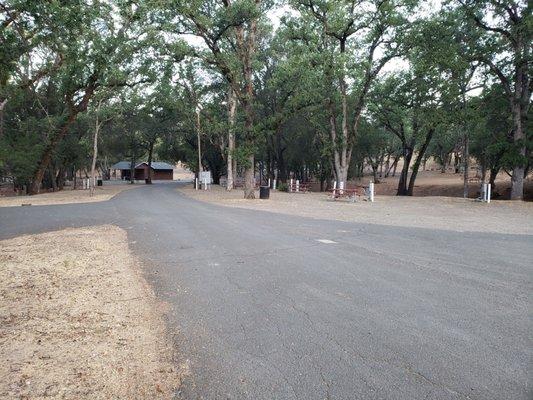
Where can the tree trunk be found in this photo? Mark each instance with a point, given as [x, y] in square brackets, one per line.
[232, 105]
[339, 154]
[150, 156]
[402, 183]
[247, 48]
[466, 166]
[517, 179]
[52, 173]
[249, 178]
[47, 155]
[492, 178]
[199, 144]
[375, 174]
[392, 167]
[95, 151]
[60, 178]
[132, 169]
[418, 161]
[54, 142]
[344, 153]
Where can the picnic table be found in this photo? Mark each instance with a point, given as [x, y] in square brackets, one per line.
[299, 187]
[349, 193]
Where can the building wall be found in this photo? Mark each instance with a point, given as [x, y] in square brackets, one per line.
[141, 173]
[163, 175]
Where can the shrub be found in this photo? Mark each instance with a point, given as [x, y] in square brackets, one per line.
[283, 187]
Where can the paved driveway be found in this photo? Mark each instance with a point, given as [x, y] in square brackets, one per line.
[267, 306]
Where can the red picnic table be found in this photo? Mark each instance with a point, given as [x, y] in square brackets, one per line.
[349, 193]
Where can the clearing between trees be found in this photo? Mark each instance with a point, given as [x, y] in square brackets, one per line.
[101, 193]
[77, 320]
[436, 212]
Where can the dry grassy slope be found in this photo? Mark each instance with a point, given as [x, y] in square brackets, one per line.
[66, 196]
[78, 322]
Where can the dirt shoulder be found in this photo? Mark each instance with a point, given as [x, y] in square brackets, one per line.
[66, 196]
[447, 213]
[77, 321]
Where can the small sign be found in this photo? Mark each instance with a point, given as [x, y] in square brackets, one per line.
[205, 176]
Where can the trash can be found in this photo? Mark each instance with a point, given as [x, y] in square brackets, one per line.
[264, 192]
[99, 182]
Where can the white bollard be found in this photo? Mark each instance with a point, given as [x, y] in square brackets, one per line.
[488, 193]
[335, 185]
[205, 183]
[274, 184]
[297, 185]
[371, 190]
[290, 186]
[196, 183]
[268, 182]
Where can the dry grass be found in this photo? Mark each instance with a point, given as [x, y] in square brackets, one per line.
[78, 322]
[67, 196]
[447, 213]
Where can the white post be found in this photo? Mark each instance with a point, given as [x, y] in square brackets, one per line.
[268, 182]
[274, 184]
[290, 186]
[371, 190]
[297, 185]
[196, 183]
[205, 183]
[488, 193]
[334, 185]
[484, 194]
[341, 186]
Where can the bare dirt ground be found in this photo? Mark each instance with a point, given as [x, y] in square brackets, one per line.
[67, 196]
[435, 183]
[447, 213]
[77, 321]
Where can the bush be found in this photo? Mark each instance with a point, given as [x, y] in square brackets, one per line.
[283, 187]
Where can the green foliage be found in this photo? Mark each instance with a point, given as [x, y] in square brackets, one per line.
[322, 84]
[283, 187]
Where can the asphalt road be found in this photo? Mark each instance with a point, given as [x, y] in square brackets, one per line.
[268, 306]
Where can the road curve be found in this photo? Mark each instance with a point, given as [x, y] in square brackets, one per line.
[269, 306]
